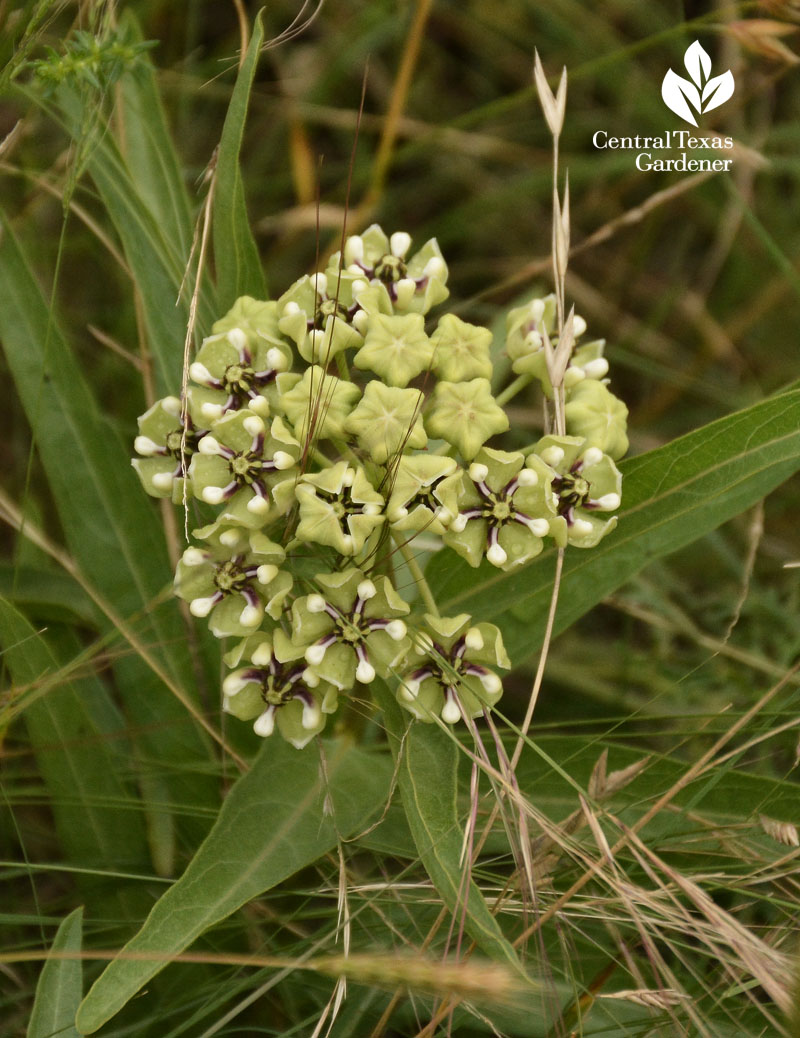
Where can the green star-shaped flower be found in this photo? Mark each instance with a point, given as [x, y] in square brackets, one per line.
[318, 402]
[586, 484]
[387, 421]
[414, 284]
[165, 450]
[501, 509]
[242, 465]
[525, 328]
[461, 350]
[593, 412]
[236, 366]
[321, 314]
[349, 628]
[465, 414]
[452, 672]
[586, 362]
[338, 506]
[277, 687]
[416, 501]
[233, 582]
[396, 348]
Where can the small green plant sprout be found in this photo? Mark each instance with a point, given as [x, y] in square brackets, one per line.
[90, 60]
[325, 428]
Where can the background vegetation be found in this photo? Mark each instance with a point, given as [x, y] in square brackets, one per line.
[656, 900]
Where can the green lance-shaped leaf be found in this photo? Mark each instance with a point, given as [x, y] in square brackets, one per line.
[274, 822]
[111, 529]
[156, 261]
[149, 147]
[69, 723]
[46, 594]
[60, 987]
[156, 247]
[428, 783]
[235, 253]
[671, 496]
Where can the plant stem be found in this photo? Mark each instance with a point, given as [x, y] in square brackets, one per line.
[513, 388]
[347, 451]
[419, 578]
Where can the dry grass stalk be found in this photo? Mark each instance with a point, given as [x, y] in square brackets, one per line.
[781, 832]
[662, 998]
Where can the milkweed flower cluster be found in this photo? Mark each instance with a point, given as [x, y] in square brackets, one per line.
[320, 429]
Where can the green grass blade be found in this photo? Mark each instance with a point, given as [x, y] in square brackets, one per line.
[60, 987]
[272, 824]
[672, 496]
[235, 253]
[428, 783]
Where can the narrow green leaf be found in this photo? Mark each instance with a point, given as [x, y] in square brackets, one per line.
[428, 783]
[157, 264]
[75, 733]
[112, 529]
[156, 254]
[139, 182]
[672, 496]
[149, 147]
[235, 252]
[60, 987]
[274, 822]
[47, 594]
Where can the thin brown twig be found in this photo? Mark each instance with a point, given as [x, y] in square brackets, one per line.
[106, 340]
[244, 30]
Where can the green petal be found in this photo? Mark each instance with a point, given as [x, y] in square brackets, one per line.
[471, 542]
[396, 348]
[465, 415]
[308, 627]
[246, 705]
[597, 415]
[387, 420]
[519, 544]
[588, 538]
[461, 350]
[338, 666]
[161, 419]
[153, 474]
[317, 398]
[289, 719]
[223, 620]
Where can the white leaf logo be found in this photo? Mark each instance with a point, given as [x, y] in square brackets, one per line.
[717, 91]
[700, 93]
[697, 62]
